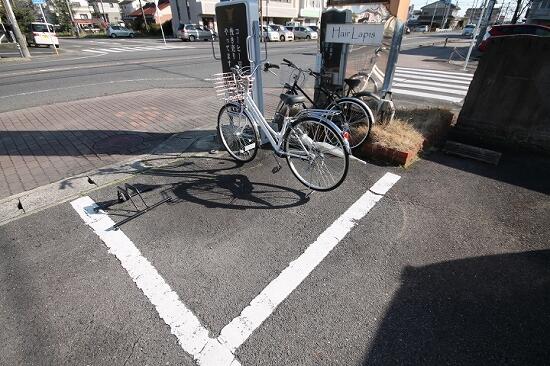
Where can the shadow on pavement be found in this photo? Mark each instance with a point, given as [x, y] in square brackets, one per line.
[439, 52]
[208, 181]
[490, 310]
[525, 170]
[84, 142]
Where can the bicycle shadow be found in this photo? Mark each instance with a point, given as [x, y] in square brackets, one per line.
[212, 182]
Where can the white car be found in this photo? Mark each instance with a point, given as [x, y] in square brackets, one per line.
[42, 34]
[270, 35]
[284, 34]
[304, 33]
[117, 31]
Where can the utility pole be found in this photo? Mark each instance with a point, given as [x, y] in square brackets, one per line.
[433, 16]
[18, 35]
[474, 37]
[144, 19]
[77, 30]
[447, 8]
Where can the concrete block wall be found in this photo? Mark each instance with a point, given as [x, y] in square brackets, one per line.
[508, 102]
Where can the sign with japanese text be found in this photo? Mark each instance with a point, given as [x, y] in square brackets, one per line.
[358, 33]
[232, 33]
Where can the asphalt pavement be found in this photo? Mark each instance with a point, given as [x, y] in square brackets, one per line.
[447, 265]
[141, 64]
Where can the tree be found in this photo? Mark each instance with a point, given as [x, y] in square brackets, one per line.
[521, 5]
[24, 13]
[62, 15]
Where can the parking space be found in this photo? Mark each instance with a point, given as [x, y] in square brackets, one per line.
[244, 267]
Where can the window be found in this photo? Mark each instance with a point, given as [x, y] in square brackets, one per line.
[83, 16]
[40, 27]
[189, 27]
[115, 27]
[111, 5]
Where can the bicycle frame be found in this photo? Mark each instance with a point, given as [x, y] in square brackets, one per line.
[276, 138]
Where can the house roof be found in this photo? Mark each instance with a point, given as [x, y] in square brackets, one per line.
[149, 9]
[440, 3]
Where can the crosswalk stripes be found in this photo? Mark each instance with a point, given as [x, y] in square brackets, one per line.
[431, 84]
[101, 50]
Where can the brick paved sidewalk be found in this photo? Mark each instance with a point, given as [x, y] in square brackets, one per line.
[41, 145]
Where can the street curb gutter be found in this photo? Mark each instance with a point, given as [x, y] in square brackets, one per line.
[49, 195]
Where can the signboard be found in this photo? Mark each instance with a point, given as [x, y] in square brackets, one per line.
[38, 2]
[358, 33]
[232, 33]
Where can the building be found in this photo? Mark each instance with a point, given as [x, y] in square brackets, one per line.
[129, 6]
[108, 11]
[472, 16]
[440, 14]
[152, 15]
[539, 12]
[202, 12]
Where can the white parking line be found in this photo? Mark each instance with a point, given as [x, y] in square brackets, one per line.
[192, 336]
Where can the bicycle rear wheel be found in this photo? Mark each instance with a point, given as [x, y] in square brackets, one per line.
[238, 133]
[316, 154]
[355, 118]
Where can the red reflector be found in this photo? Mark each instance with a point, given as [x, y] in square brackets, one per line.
[345, 135]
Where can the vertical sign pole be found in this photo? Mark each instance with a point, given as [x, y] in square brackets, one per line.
[474, 37]
[48, 28]
[159, 16]
[258, 84]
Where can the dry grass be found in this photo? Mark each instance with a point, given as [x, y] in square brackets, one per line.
[399, 135]
[411, 127]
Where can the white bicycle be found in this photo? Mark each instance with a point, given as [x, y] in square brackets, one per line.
[316, 150]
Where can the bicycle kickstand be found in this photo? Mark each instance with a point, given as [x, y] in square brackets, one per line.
[278, 167]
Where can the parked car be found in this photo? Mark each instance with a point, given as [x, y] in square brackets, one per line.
[284, 34]
[42, 34]
[512, 30]
[303, 33]
[422, 28]
[468, 30]
[194, 32]
[114, 31]
[270, 35]
[314, 28]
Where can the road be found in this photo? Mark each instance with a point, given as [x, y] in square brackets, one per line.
[90, 68]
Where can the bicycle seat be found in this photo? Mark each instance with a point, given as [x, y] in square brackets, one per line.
[352, 83]
[290, 99]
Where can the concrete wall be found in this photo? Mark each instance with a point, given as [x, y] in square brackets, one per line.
[508, 102]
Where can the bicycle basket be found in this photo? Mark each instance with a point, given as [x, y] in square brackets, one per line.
[232, 87]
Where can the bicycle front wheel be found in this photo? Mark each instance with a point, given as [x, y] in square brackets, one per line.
[354, 118]
[316, 154]
[238, 133]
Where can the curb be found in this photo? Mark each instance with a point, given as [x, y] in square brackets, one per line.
[52, 194]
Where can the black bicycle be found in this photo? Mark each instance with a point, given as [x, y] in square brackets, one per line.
[356, 118]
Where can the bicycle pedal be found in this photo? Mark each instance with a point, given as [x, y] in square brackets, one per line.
[276, 169]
